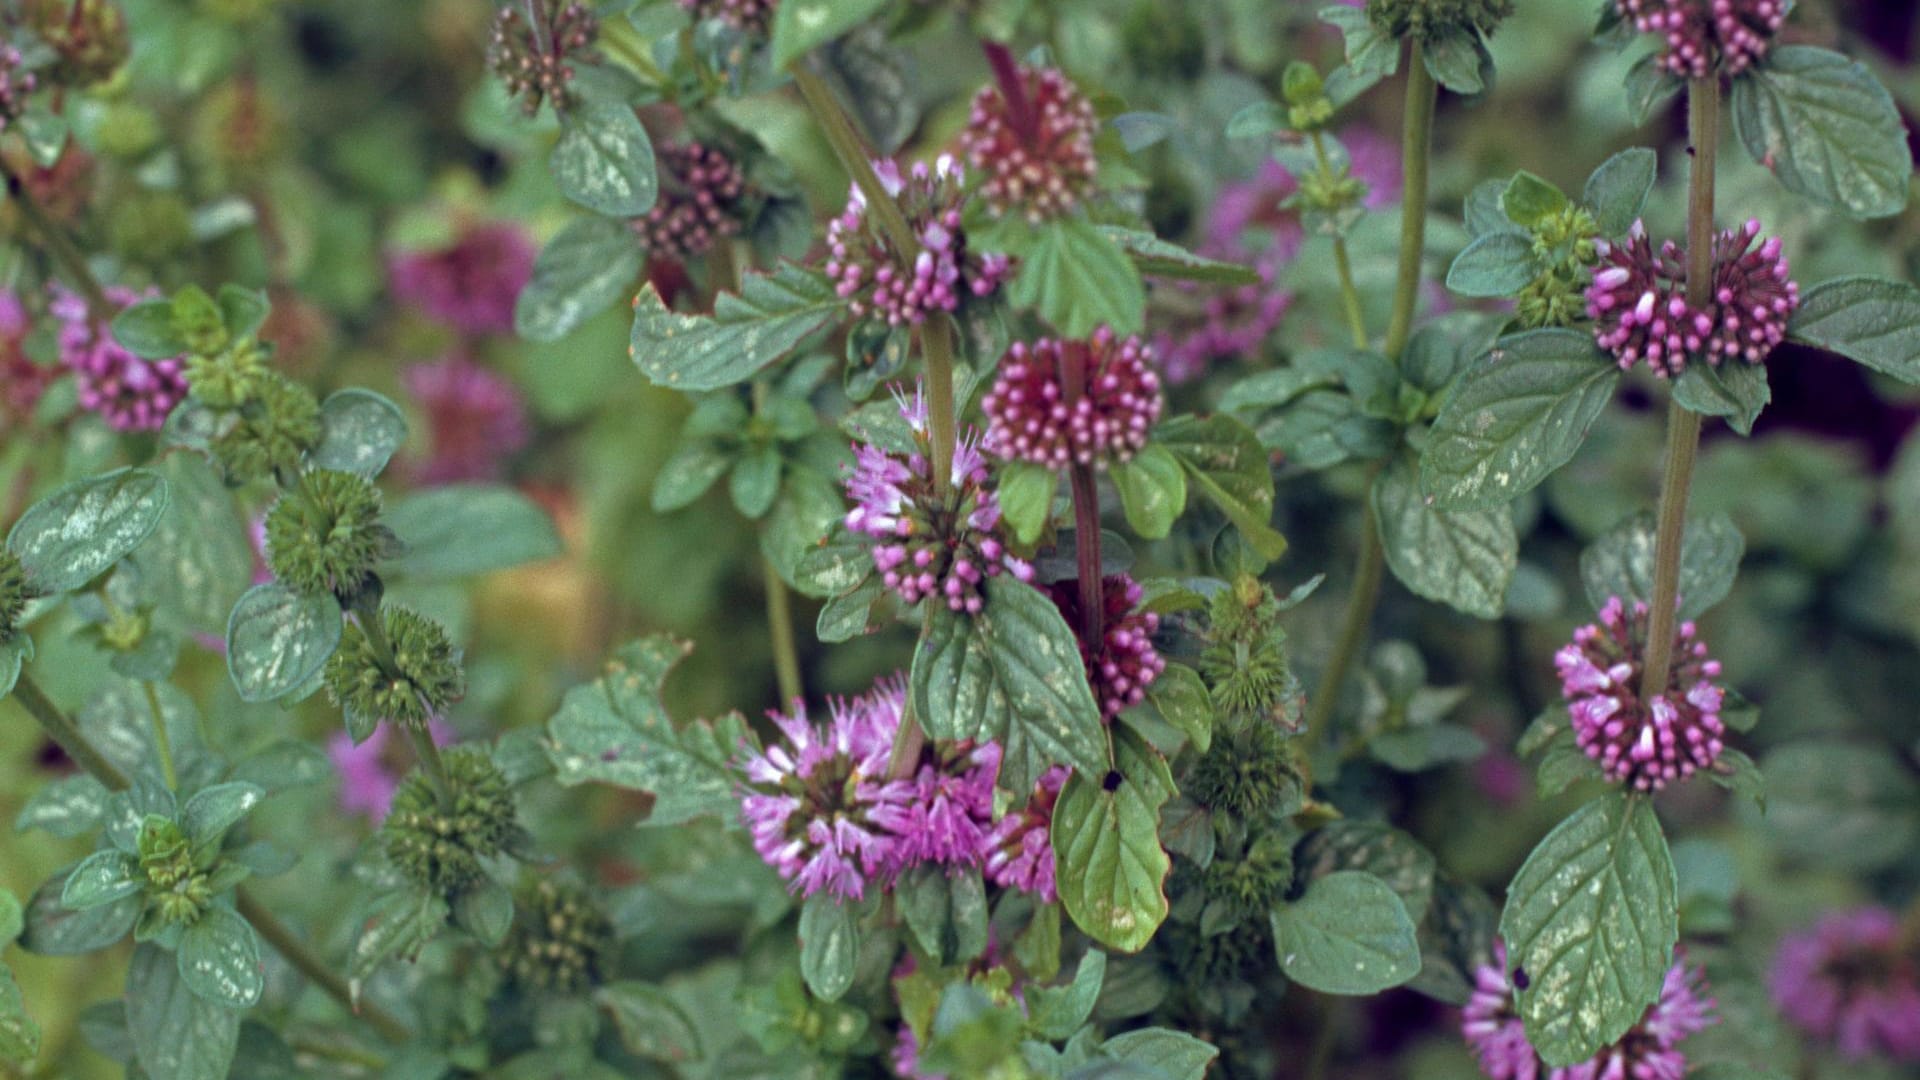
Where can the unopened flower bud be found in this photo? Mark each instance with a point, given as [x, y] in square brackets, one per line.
[560, 941]
[325, 535]
[423, 679]
[444, 846]
[272, 432]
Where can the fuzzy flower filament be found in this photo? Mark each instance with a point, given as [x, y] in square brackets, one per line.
[1642, 742]
[878, 281]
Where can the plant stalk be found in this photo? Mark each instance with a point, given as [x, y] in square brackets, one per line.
[856, 158]
[936, 347]
[1342, 264]
[161, 743]
[1683, 424]
[1369, 570]
[63, 732]
[1416, 146]
[786, 653]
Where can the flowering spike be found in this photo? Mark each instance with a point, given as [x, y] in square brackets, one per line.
[1124, 662]
[1644, 744]
[1700, 37]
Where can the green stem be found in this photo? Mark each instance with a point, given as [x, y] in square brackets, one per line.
[786, 653]
[1342, 264]
[61, 247]
[1367, 574]
[909, 739]
[161, 742]
[856, 159]
[1683, 424]
[62, 731]
[1416, 146]
[936, 346]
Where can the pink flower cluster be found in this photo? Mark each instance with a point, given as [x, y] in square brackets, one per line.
[877, 280]
[752, 16]
[1037, 150]
[15, 85]
[825, 814]
[1124, 663]
[470, 285]
[700, 188]
[1853, 979]
[129, 393]
[929, 546]
[1643, 742]
[1020, 849]
[1648, 1051]
[1640, 312]
[475, 419]
[1061, 403]
[1700, 34]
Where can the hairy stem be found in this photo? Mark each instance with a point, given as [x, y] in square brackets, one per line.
[854, 156]
[60, 246]
[1416, 145]
[1349, 293]
[936, 346]
[1367, 574]
[62, 730]
[1683, 424]
[786, 653]
[163, 746]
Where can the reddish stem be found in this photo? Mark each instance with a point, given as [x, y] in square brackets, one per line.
[1006, 72]
[1086, 507]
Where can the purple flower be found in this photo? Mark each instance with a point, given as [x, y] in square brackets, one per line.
[1648, 1051]
[952, 809]
[1700, 35]
[1060, 403]
[877, 281]
[129, 393]
[700, 193]
[475, 419]
[369, 775]
[1852, 979]
[1124, 662]
[471, 285]
[1019, 850]
[1643, 742]
[1640, 312]
[926, 545]
[819, 805]
[1037, 153]
[751, 16]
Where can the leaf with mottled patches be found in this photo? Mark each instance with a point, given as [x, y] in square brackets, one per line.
[463, 529]
[220, 960]
[101, 878]
[1621, 562]
[198, 560]
[1515, 417]
[1377, 848]
[764, 321]
[213, 810]
[1827, 129]
[176, 1033]
[650, 1023]
[278, 639]
[53, 929]
[1106, 845]
[1010, 673]
[400, 923]
[73, 535]
[616, 730]
[1591, 919]
[1225, 459]
[1347, 934]
[359, 432]
[604, 160]
[19, 1035]
[1871, 321]
[585, 268]
[69, 807]
[829, 944]
[1462, 558]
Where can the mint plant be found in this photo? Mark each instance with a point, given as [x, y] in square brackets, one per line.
[1199, 523]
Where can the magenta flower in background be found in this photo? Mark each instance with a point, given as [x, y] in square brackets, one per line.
[878, 282]
[129, 393]
[471, 285]
[1648, 743]
[369, 772]
[1852, 979]
[1060, 403]
[475, 419]
[1019, 850]
[1493, 1028]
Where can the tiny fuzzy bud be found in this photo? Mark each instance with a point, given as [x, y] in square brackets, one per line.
[178, 890]
[1244, 660]
[1301, 84]
[1247, 886]
[560, 940]
[536, 46]
[13, 593]
[271, 432]
[88, 38]
[197, 319]
[325, 535]
[444, 847]
[423, 679]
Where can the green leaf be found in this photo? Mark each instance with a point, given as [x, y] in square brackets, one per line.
[1376, 848]
[146, 329]
[1846, 806]
[53, 929]
[213, 810]
[1153, 490]
[278, 639]
[604, 161]
[809, 507]
[464, 529]
[582, 271]
[359, 432]
[1621, 562]
[829, 944]
[1454, 58]
[73, 535]
[767, 319]
[1159, 259]
[1827, 129]
[1462, 558]
[19, 1035]
[844, 617]
[1078, 278]
[1591, 919]
[840, 562]
[1184, 702]
[485, 910]
[101, 878]
[198, 561]
[1870, 321]
[176, 1033]
[1370, 53]
[220, 960]
[1347, 934]
[1616, 193]
[1162, 1052]
[1735, 389]
[616, 731]
[755, 482]
[400, 923]
[651, 1024]
[687, 475]
[1481, 210]
[803, 25]
[1649, 86]
[1224, 457]
[68, 807]
[1516, 417]
[947, 915]
[1026, 497]
[243, 311]
[15, 652]
[1106, 845]
[1056, 1012]
[1528, 200]
[1011, 673]
[1496, 264]
[1273, 388]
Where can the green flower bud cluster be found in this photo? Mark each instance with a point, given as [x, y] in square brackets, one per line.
[13, 593]
[413, 678]
[560, 941]
[443, 847]
[1250, 771]
[179, 888]
[1244, 888]
[325, 535]
[1564, 244]
[270, 432]
[1244, 660]
[1428, 20]
[1308, 106]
